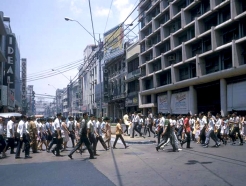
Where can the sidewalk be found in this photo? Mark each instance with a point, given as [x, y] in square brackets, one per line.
[136, 140]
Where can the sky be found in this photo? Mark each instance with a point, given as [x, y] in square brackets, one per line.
[48, 42]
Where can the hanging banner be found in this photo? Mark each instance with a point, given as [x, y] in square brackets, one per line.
[162, 103]
[9, 78]
[180, 103]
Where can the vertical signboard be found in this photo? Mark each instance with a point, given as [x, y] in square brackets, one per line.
[162, 103]
[180, 103]
[23, 76]
[9, 78]
[105, 83]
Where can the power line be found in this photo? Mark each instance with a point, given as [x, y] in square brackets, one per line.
[92, 22]
[108, 15]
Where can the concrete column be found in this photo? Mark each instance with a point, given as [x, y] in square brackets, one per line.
[192, 100]
[169, 95]
[223, 97]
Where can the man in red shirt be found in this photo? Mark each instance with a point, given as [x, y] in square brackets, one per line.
[186, 130]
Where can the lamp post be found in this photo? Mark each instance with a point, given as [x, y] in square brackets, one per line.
[61, 74]
[100, 56]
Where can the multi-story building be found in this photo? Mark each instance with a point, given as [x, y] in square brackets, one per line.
[31, 103]
[59, 103]
[132, 76]
[75, 98]
[10, 80]
[193, 54]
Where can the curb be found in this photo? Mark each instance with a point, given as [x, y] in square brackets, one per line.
[141, 142]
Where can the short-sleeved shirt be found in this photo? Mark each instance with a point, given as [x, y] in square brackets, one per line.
[162, 121]
[211, 124]
[187, 124]
[99, 129]
[125, 119]
[57, 124]
[90, 126]
[70, 125]
[118, 129]
[83, 128]
[236, 120]
[1, 129]
[10, 125]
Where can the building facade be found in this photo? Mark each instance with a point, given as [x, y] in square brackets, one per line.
[193, 55]
[131, 78]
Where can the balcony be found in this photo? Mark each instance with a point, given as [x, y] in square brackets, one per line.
[120, 96]
[133, 74]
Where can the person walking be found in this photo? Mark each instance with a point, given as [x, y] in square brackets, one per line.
[92, 133]
[57, 128]
[2, 140]
[235, 122]
[83, 133]
[10, 135]
[186, 131]
[126, 122]
[119, 133]
[99, 132]
[24, 138]
[135, 122]
[71, 129]
[107, 131]
[166, 131]
[33, 135]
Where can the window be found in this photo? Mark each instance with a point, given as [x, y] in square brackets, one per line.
[148, 99]
[225, 14]
[148, 84]
[183, 73]
[212, 64]
[210, 21]
[206, 44]
[230, 34]
[196, 49]
[164, 78]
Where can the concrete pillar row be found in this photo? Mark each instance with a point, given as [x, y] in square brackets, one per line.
[223, 97]
[193, 100]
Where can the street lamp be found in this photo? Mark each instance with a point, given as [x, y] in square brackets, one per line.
[68, 19]
[52, 86]
[61, 73]
[100, 47]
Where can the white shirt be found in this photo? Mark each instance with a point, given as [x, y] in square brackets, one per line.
[90, 126]
[57, 124]
[1, 129]
[146, 121]
[162, 121]
[236, 120]
[141, 121]
[21, 129]
[27, 127]
[99, 130]
[211, 124]
[70, 125]
[218, 123]
[135, 119]
[9, 127]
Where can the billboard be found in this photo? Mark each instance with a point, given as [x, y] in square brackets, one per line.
[180, 103]
[9, 78]
[113, 39]
[23, 75]
[162, 103]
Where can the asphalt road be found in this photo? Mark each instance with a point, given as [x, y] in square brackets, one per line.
[140, 164]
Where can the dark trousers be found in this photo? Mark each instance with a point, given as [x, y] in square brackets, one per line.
[179, 133]
[159, 134]
[93, 142]
[85, 140]
[218, 135]
[99, 138]
[203, 135]
[149, 129]
[187, 140]
[164, 140]
[135, 128]
[58, 144]
[2, 143]
[233, 134]
[72, 136]
[26, 141]
[11, 144]
[116, 139]
[126, 130]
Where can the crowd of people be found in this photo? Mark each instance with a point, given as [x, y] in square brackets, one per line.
[181, 129]
[39, 134]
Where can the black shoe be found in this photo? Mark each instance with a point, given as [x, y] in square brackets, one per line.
[126, 147]
[205, 146]
[53, 151]
[28, 157]
[70, 156]
[12, 152]
[175, 150]
[93, 158]
[17, 157]
[48, 151]
[157, 149]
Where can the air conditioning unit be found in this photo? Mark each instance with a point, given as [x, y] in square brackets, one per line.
[171, 58]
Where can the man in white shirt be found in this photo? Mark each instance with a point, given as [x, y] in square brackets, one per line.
[235, 121]
[92, 134]
[10, 135]
[160, 126]
[203, 123]
[99, 132]
[71, 129]
[21, 130]
[135, 122]
[57, 128]
[126, 122]
[210, 132]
